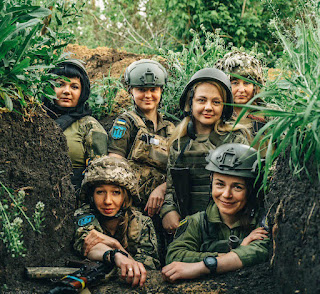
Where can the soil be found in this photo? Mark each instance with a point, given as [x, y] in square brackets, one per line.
[295, 213]
[33, 157]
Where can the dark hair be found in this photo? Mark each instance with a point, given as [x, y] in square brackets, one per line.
[70, 70]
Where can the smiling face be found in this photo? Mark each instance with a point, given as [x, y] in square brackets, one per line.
[242, 91]
[229, 194]
[147, 99]
[207, 107]
[68, 93]
[108, 199]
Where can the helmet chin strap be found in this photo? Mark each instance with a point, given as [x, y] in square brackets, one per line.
[190, 127]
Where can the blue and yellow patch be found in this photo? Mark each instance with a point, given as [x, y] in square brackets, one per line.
[182, 228]
[118, 131]
[85, 220]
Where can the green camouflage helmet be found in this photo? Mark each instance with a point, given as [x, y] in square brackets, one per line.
[242, 64]
[145, 73]
[111, 170]
[234, 159]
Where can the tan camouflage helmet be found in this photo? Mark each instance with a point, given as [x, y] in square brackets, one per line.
[242, 64]
[111, 170]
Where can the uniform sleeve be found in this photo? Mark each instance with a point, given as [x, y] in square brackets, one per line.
[120, 136]
[95, 138]
[85, 221]
[239, 136]
[169, 204]
[254, 253]
[186, 245]
[147, 246]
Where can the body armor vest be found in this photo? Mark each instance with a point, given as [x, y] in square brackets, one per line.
[148, 156]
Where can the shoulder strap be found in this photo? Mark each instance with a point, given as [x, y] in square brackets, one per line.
[137, 120]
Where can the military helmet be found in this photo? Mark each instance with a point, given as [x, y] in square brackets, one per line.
[111, 170]
[62, 68]
[145, 73]
[234, 159]
[242, 64]
[210, 74]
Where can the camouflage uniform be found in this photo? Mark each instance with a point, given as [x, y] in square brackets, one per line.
[205, 234]
[142, 241]
[138, 142]
[194, 159]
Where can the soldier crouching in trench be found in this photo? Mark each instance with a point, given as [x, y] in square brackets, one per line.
[108, 228]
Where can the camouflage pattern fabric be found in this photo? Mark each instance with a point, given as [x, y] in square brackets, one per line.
[86, 138]
[111, 170]
[149, 177]
[142, 240]
[242, 64]
[200, 236]
[194, 158]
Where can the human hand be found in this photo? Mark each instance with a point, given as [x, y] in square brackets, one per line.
[171, 221]
[132, 271]
[156, 200]
[257, 234]
[182, 270]
[95, 237]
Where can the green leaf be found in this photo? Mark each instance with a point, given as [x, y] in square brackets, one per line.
[20, 66]
[40, 12]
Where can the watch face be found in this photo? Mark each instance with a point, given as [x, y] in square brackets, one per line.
[211, 263]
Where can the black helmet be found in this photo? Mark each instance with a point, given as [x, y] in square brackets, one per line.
[210, 74]
[145, 73]
[234, 159]
[68, 67]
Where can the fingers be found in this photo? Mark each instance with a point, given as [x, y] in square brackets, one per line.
[132, 272]
[143, 274]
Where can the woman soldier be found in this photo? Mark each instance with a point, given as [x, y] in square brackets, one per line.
[86, 138]
[206, 101]
[228, 235]
[141, 135]
[108, 228]
[243, 91]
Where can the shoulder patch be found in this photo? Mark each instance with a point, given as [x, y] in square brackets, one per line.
[85, 220]
[118, 131]
[182, 228]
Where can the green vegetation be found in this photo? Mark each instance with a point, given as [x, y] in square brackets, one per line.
[30, 44]
[11, 214]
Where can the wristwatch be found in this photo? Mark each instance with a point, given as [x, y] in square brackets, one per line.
[113, 253]
[211, 263]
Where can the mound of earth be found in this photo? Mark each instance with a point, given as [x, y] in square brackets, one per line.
[294, 204]
[33, 158]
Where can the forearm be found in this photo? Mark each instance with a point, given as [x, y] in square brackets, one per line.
[97, 251]
[228, 262]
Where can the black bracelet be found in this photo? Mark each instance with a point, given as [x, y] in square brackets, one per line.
[113, 253]
[105, 256]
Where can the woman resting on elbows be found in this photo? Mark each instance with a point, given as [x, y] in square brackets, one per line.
[141, 135]
[108, 228]
[228, 235]
[86, 138]
[204, 128]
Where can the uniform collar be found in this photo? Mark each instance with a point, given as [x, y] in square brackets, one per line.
[148, 122]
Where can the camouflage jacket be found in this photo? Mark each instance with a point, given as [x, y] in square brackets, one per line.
[194, 159]
[86, 138]
[124, 140]
[142, 240]
[205, 234]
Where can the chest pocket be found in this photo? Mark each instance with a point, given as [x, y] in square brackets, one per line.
[147, 147]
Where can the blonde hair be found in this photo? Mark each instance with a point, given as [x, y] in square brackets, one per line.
[219, 126]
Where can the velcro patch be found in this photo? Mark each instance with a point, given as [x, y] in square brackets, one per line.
[118, 132]
[85, 220]
[181, 229]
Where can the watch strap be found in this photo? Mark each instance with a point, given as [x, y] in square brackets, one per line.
[113, 253]
[210, 266]
[105, 256]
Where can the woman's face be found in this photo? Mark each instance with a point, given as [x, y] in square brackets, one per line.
[147, 99]
[229, 193]
[108, 199]
[242, 91]
[207, 106]
[68, 93]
